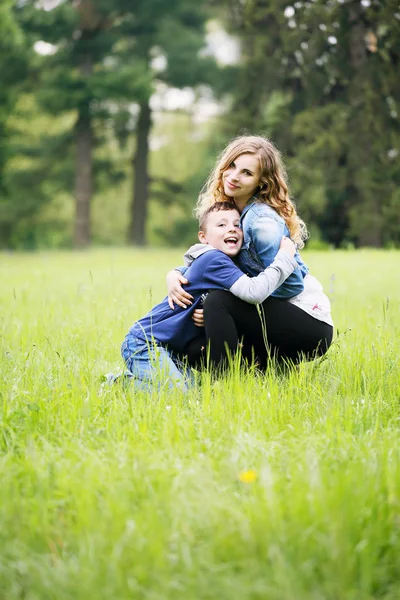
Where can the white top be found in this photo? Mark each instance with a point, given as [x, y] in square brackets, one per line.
[313, 300]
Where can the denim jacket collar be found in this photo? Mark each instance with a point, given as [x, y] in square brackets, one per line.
[249, 204]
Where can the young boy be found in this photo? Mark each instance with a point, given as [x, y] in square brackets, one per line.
[153, 344]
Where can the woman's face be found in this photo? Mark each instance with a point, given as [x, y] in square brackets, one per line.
[242, 178]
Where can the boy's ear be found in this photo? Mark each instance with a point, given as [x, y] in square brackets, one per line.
[202, 237]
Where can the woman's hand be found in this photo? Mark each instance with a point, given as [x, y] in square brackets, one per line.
[288, 246]
[198, 317]
[175, 291]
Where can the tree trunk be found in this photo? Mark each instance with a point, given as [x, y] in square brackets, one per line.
[358, 53]
[83, 181]
[83, 169]
[139, 206]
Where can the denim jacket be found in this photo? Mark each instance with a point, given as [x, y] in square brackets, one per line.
[263, 229]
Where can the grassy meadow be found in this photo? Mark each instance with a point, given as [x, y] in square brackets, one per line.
[281, 487]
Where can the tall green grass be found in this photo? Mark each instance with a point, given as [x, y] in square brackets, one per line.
[274, 487]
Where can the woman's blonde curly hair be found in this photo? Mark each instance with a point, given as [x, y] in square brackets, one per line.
[273, 179]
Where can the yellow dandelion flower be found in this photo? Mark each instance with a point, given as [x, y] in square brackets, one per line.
[248, 476]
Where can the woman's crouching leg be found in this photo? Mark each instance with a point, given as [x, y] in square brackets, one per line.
[293, 334]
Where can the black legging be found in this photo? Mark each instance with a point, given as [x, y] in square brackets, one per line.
[278, 329]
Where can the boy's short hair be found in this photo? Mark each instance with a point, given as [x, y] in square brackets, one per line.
[216, 207]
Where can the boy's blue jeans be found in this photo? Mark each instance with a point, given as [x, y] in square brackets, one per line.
[155, 367]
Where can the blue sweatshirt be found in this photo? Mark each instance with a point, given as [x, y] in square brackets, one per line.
[211, 270]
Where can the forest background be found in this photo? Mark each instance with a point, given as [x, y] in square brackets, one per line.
[112, 113]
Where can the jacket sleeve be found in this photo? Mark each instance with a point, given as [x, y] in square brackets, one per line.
[266, 237]
[256, 289]
[267, 234]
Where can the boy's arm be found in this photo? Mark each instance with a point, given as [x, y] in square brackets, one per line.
[256, 289]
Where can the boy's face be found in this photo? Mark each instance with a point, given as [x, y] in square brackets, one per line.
[222, 231]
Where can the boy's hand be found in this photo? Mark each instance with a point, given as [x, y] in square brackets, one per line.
[175, 291]
[288, 246]
[198, 317]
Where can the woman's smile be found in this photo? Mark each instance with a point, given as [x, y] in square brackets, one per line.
[232, 185]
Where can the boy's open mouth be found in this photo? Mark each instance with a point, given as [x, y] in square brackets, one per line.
[231, 241]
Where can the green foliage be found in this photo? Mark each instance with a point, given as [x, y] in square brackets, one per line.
[179, 169]
[322, 81]
[174, 33]
[38, 211]
[13, 60]
[182, 40]
[319, 78]
[98, 73]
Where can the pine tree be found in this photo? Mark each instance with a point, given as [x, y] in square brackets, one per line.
[13, 65]
[355, 60]
[101, 67]
[321, 79]
[80, 78]
[175, 33]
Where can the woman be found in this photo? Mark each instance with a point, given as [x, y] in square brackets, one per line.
[294, 323]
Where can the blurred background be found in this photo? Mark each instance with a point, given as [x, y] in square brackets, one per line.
[112, 113]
